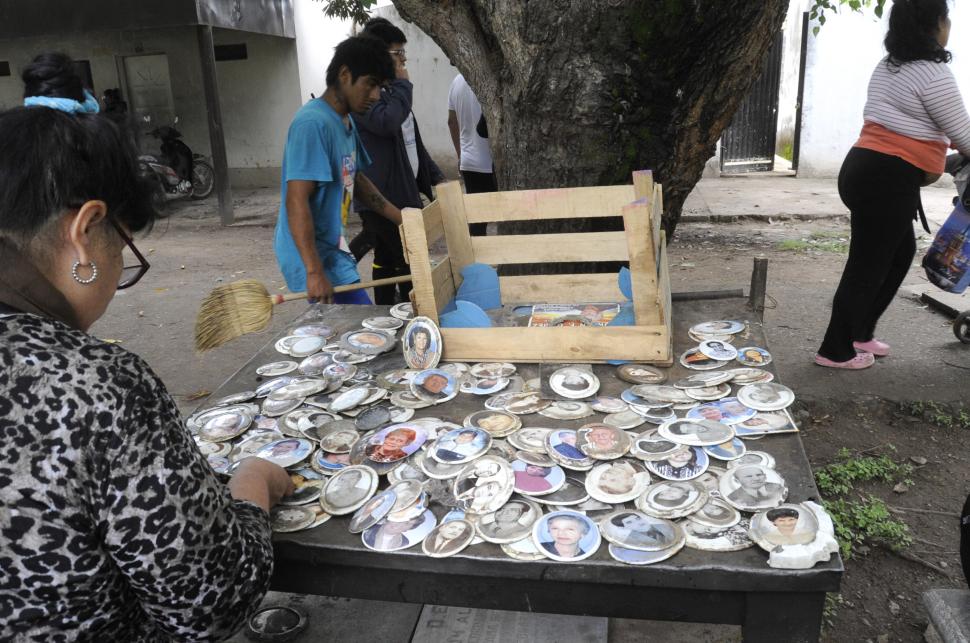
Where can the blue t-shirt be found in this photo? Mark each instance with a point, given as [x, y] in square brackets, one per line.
[321, 148]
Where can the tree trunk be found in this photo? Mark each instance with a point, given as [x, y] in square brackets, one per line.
[582, 92]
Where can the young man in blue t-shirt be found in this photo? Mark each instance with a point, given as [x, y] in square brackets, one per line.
[320, 175]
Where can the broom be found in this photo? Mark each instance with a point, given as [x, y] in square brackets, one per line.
[244, 307]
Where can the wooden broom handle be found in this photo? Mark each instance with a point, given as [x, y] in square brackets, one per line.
[403, 279]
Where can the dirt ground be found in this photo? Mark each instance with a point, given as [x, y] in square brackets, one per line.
[191, 253]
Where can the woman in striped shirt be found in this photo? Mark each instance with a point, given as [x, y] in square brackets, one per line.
[913, 111]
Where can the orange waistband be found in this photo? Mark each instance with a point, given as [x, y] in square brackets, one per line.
[929, 156]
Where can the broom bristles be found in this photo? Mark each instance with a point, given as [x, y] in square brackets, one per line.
[232, 311]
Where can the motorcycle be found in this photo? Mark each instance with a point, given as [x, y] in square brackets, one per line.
[177, 172]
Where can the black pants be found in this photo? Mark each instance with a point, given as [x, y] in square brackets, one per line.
[882, 193]
[476, 182]
[383, 236]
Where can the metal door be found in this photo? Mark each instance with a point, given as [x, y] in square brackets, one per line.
[748, 144]
[149, 89]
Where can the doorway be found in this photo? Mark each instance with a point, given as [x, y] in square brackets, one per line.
[748, 144]
[149, 90]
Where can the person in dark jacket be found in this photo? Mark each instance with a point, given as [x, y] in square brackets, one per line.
[401, 167]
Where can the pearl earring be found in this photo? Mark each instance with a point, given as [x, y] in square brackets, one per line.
[77, 277]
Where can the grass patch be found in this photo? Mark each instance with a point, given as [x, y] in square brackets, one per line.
[860, 521]
[839, 477]
[940, 415]
[867, 519]
[818, 241]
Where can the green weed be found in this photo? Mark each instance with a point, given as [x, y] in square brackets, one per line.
[867, 519]
[838, 478]
[820, 241]
[833, 602]
[938, 414]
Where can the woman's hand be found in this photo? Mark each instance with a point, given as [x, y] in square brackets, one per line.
[929, 179]
[260, 482]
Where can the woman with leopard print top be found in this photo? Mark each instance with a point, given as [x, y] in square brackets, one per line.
[112, 525]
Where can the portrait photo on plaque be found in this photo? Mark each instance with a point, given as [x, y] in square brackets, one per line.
[448, 538]
[685, 464]
[511, 522]
[617, 481]
[395, 442]
[753, 487]
[537, 480]
[422, 344]
[636, 530]
[566, 536]
[395, 536]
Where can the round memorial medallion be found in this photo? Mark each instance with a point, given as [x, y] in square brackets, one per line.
[617, 481]
[636, 530]
[753, 487]
[348, 489]
[484, 485]
[566, 536]
[422, 344]
[448, 538]
[768, 396]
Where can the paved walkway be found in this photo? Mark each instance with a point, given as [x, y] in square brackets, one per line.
[784, 197]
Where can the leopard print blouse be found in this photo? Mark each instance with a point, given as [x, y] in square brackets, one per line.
[112, 525]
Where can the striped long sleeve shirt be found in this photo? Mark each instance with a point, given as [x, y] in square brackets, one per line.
[914, 111]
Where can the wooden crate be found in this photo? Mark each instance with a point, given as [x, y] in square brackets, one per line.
[641, 243]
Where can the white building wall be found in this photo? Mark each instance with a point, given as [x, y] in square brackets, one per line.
[790, 60]
[431, 73]
[316, 37]
[258, 95]
[839, 63]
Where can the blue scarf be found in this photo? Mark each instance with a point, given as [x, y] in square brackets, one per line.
[69, 105]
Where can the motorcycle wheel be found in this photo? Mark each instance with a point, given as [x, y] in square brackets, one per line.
[961, 327]
[203, 179]
[159, 202]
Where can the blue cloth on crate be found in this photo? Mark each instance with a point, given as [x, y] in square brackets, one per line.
[480, 286]
[465, 315]
[626, 316]
[625, 282]
[69, 105]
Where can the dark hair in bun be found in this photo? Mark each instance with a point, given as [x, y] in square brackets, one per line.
[53, 75]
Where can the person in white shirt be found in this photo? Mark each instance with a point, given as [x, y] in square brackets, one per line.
[475, 158]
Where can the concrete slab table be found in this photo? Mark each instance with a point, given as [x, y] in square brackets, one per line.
[734, 588]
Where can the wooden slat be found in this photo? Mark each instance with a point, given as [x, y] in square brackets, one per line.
[643, 184]
[581, 344]
[560, 289]
[456, 228]
[664, 300]
[656, 214]
[559, 203]
[434, 229]
[543, 248]
[416, 249]
[444, 283]
[643, 263]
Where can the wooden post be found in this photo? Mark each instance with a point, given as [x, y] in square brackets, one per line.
[217, 139]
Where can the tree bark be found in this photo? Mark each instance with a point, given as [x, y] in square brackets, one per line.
[583, 92]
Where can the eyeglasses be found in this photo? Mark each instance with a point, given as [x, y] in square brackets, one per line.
[398, 52]
[131, 273]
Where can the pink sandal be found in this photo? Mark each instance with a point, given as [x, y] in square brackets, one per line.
[874, 346]
[860, 361]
